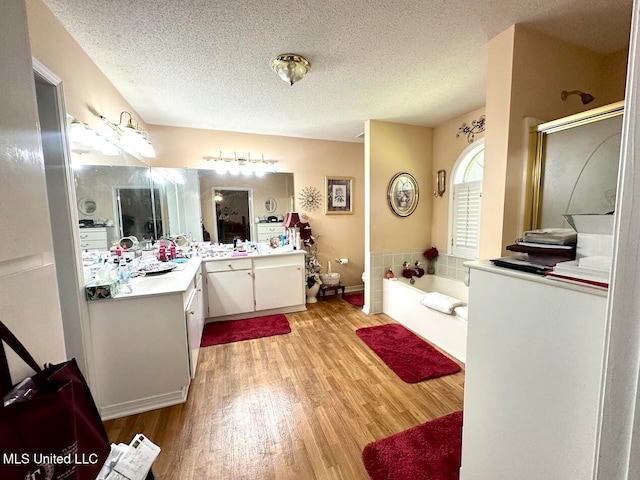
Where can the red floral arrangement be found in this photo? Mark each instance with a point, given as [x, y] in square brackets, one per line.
[430, 253]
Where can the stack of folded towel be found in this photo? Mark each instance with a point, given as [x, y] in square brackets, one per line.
[440, 302]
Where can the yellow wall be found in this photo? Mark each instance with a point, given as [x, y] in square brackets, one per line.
[395, 148]
[446, 150]
[88, 93]
[526, 73]
[341, 236]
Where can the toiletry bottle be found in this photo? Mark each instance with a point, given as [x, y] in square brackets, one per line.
[162, 253]
[172, 251]
[124, 277]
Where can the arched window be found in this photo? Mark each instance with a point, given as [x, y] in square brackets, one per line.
[464, 208]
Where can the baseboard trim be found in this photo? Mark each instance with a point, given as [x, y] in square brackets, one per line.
[144, 405]
[259, 313]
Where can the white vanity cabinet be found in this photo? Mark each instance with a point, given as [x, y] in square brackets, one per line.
[278, 282]
[144, 344]
[268, 230]
[194, 317]
[93, 238]
[533, 378]
[229, 286]
[264, 284]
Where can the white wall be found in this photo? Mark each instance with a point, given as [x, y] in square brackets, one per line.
[28, 287]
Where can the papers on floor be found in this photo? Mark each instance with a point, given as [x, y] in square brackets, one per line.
[129, 462]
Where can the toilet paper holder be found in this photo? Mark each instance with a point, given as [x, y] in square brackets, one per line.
[342, 261]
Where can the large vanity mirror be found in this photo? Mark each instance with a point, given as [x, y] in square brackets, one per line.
[233, 206]
[115, 199]
[123, 197]
[574, 166]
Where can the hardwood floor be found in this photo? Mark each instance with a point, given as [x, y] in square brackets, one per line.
[298, 406]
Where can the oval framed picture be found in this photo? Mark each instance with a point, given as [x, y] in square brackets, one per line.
[403, 194]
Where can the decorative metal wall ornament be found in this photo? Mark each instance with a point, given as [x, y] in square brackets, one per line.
[477, 126]
[310, 198]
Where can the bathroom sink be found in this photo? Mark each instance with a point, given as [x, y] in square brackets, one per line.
[156, 284]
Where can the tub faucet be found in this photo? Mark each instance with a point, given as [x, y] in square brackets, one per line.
[418, 271]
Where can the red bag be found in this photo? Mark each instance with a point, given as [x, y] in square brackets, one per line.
[54, 433]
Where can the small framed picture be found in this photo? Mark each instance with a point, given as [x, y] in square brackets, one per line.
[338, 194]
[403, 194]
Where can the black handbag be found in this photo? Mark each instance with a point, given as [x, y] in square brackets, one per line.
[53, 431]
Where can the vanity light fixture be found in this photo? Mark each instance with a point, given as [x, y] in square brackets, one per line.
[83, 139]
[291, 67]
[246, 166]
[132, 138]
[586, 97]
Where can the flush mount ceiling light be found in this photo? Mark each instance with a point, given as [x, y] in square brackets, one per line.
[291, 67]
[586, 97]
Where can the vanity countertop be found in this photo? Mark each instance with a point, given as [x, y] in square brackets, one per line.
[176, 281]
[276, 252]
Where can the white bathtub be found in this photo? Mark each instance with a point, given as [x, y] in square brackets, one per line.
[401, 301]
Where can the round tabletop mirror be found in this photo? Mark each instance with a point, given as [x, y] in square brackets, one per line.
[87, 206]
[270, 205]
[129, 242]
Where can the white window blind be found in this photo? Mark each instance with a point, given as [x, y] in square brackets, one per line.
[466, 219]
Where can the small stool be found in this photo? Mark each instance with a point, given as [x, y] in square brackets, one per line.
[335, 288]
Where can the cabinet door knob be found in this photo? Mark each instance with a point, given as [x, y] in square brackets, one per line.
[192, 312]
[230, 267]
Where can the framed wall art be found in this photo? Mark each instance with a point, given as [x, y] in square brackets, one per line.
[338, 194]
[402, 194]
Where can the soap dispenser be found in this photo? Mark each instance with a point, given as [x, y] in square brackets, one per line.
[124, 277]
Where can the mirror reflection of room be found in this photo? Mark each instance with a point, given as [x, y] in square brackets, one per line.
[264, 202]
[137, 208]
[232, 215]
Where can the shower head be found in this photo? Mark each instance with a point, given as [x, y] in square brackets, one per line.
[586, 97]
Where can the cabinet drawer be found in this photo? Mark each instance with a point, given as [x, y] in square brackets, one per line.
[93, 234]
[270, 228]
[93, 244]
[292, 259]
[227, 265]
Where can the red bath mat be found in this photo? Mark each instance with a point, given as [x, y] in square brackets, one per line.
[229, 331]
[410, 357]
[431, 451]
[356, 299]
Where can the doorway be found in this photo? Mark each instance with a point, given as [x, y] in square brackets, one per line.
[233, 211]
[62, 213]
[137, 207]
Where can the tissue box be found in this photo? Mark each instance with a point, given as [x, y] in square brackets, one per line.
[595, 234]
[100, 290]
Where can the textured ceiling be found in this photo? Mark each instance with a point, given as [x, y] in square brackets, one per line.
[206, 64]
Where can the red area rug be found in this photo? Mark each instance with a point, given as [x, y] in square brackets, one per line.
[410, 357]
[229, 331]
[356, 299]
[430, 451]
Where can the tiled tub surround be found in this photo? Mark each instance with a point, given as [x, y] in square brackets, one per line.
[447, 266]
